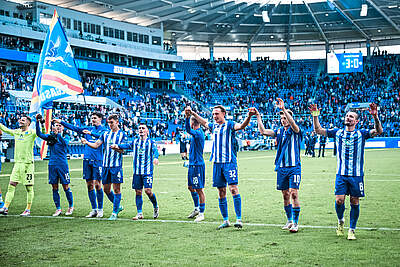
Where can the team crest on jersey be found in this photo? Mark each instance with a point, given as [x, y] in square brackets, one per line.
[347, 142]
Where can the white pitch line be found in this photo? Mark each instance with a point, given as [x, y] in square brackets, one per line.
[214, 223]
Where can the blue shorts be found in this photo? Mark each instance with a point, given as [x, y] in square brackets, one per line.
[58, 174]
[92, 169]
[224, 173]
[112, 175]
[182, 147]
[140, 181]
[288, 177]
[197, 176]
[349, 185]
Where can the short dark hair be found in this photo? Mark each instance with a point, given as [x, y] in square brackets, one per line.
[222, 108]
[143, 123]
[355, 111]
[97, 114]
[288, 110]
[27, 117]
[113, 117]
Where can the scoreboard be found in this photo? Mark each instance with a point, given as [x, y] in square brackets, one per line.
[344, 63]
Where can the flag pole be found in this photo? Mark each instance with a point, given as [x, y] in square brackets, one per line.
[86, 107]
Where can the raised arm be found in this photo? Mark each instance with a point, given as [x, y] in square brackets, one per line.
[261, 128]
[71, 127]
[289, 117]
[92, 145]
[6, 130]
[317, 126]
[39, 132]
[373, 110]
[187, 126]
[201, 120]
[124, 146]
[241, 126]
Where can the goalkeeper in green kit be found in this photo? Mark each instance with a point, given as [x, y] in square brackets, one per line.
[23, 171]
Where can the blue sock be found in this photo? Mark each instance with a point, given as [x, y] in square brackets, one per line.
[354, 213]
[340, 210]
[195, 197]
[202, 207]
[100, 197]
[223, 207]
[70, 198]
[111, 196]
[153, 200]
[92, 198]
[237, 202]
[296, 213]
[117, 201]
[288, 210]
[139, 203]
[56, 199]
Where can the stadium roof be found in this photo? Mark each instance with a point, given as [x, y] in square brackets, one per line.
[241, 21]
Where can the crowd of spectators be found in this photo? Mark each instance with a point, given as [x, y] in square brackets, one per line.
[241, 84]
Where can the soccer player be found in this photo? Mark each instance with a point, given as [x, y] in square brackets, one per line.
[287, 163]
[223, 156]
[197, 168]
[111, 174]
[23, 171]
[145, 154]
[92, 161]
[58, 164]
[350, 144]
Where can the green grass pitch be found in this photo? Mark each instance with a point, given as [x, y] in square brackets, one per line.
[170, 241]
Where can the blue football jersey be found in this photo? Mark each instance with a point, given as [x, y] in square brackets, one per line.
[350, 150]
[196, 144]
[96, 131]
[144, 152]
[223, 150]
[288, 151]
[112, 158]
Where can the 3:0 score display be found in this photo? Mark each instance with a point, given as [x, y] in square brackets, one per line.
[344, 63]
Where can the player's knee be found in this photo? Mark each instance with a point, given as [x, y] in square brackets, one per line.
[339, 201]
[107, 190]
[294, 194]
[13, 183]
[138, 192]
[354, 200]
[90, 186]
[286, 195]
[65, 187]
[234, 190]
[191, 189]
[148, 191]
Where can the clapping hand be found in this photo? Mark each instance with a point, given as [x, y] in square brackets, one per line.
[373, 109]
[313, 108]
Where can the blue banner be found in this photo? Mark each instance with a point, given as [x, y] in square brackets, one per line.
[96, 66]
